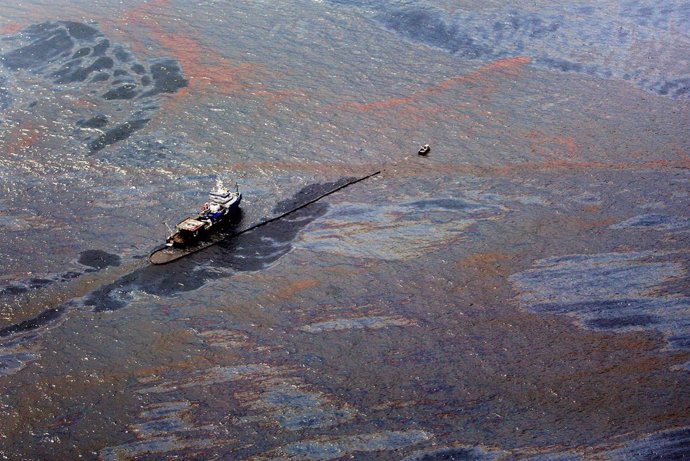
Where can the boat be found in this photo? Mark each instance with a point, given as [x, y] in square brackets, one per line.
[222, 203]
[425, 149]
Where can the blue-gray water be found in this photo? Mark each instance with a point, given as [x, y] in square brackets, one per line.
[520, 293]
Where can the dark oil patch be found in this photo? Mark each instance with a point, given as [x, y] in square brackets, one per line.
[673, 444]
[80, 31]
[138, 69]
[625, 321]
[100, 77]
[72, 72]
[48, 42]
[454, 454]
[39, 283]
[609, 307]
[81, 52]
[20, 287]
[14, 290]
[654, 222]
[69, 275]
[126, 91]
[101, 47]
[97, 121]
[98, 259]
[122, 54]
[167, 77]
[44, 318]
[117, 133]
[309, 193]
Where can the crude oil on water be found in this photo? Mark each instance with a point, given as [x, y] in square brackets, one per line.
[522, 292]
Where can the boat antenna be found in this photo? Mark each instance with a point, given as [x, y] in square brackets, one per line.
[170, 231]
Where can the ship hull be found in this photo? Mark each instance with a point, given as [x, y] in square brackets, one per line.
[192, 230]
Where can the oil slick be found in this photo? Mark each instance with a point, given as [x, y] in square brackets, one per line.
[76, 55]
[657, 222]
[164, 428]
[271, 395]
[98, 259]
[611, 292]
[274, 398]
[668, 444]
[327, 448]
[20, 343]
[464, 453]
[553, 40]
[358, 323]
[396, 232]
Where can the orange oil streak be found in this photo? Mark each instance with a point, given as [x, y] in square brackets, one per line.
[555, 147]
[412, 167]
[206, 69]
[21, 138]
[503, 68]
[11, 28]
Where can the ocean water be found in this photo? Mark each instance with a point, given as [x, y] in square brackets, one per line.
[522, 292]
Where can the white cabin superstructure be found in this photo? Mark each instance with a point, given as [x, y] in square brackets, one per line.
[222, 196]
